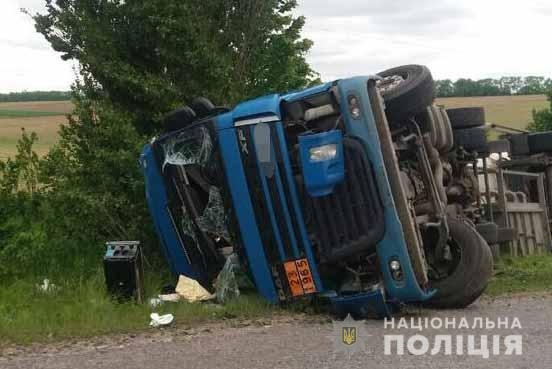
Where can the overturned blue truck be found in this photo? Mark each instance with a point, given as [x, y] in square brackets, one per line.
[353, 191]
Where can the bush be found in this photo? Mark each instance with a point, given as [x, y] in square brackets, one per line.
[542, 119]
[139, 59]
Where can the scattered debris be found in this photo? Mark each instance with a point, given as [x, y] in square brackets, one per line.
[190, 290]
[226, 285]
[155, 302]
[160, 320]
[171, 297]
[124, 271]
[46, 286]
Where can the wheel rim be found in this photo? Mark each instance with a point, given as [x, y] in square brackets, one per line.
[389, 83]
[441, 269]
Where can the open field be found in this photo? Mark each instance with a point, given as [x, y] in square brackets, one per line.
[25, 114]
[44, 117]
[45, 127]
[512, 111]
[60, 107]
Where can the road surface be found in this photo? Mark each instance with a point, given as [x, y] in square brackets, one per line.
[302, 343]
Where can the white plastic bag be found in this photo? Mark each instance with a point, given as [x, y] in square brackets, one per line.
[160, 320]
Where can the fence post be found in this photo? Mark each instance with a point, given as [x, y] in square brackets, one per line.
[542, 201]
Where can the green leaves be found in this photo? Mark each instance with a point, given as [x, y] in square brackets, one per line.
[530, 85]
[137, 60]
[151, 55]
[542, 119]
[21, 173]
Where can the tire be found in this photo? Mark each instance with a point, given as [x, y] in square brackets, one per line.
[470, 276]
[202, 107]
[540, 142]
[178, 119]
[466, 117]
[441, 132]
[435, 133]
[519, 144]
[471, 139]
[411, 94]
[489, 232]
[447, 129]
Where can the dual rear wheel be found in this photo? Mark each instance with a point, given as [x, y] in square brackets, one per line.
[461, 273]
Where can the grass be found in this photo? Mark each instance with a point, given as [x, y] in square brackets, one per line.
[25, 113]
[528, 274]
[81, 308]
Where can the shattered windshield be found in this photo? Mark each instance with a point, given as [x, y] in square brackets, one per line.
[189, 158]
[193, 146]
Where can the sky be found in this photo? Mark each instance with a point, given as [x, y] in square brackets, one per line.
[460, 38]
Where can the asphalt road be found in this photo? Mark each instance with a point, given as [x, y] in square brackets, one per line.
[303, 343]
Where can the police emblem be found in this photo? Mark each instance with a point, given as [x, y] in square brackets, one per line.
[349, 335]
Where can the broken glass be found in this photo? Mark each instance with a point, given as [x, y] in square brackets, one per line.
[195, 147]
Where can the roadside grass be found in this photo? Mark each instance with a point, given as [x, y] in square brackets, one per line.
[527, 274]
[79, 308]
[25, 114]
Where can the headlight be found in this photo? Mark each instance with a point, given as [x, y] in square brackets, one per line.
[396, 270]
[322, 153]
[395, 265]
[354, 107]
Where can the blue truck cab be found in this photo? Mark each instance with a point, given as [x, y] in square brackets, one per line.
[304, 186]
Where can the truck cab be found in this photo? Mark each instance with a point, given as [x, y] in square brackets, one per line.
[315, 191]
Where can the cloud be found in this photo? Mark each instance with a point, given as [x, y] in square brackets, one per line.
[469, 38]
[391, 17]
[31, 5]
[28, 62]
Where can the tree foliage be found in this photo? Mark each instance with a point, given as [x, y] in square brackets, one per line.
[138, 59]
[148, 56]
[35, 96]
[542, 119]
[531, 85]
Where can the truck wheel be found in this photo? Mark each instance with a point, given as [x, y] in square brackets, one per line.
[462, 279]
[407, 90]
[471, 139]
[519, 144]
[178, 119]
[466, 117]
[202, 107]
[448, 135]
[540, 142]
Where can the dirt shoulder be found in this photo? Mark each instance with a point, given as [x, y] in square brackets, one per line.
[293, 342]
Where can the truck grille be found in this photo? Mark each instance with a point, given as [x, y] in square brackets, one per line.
[347, 222]
[350, 220]
[277, 218]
